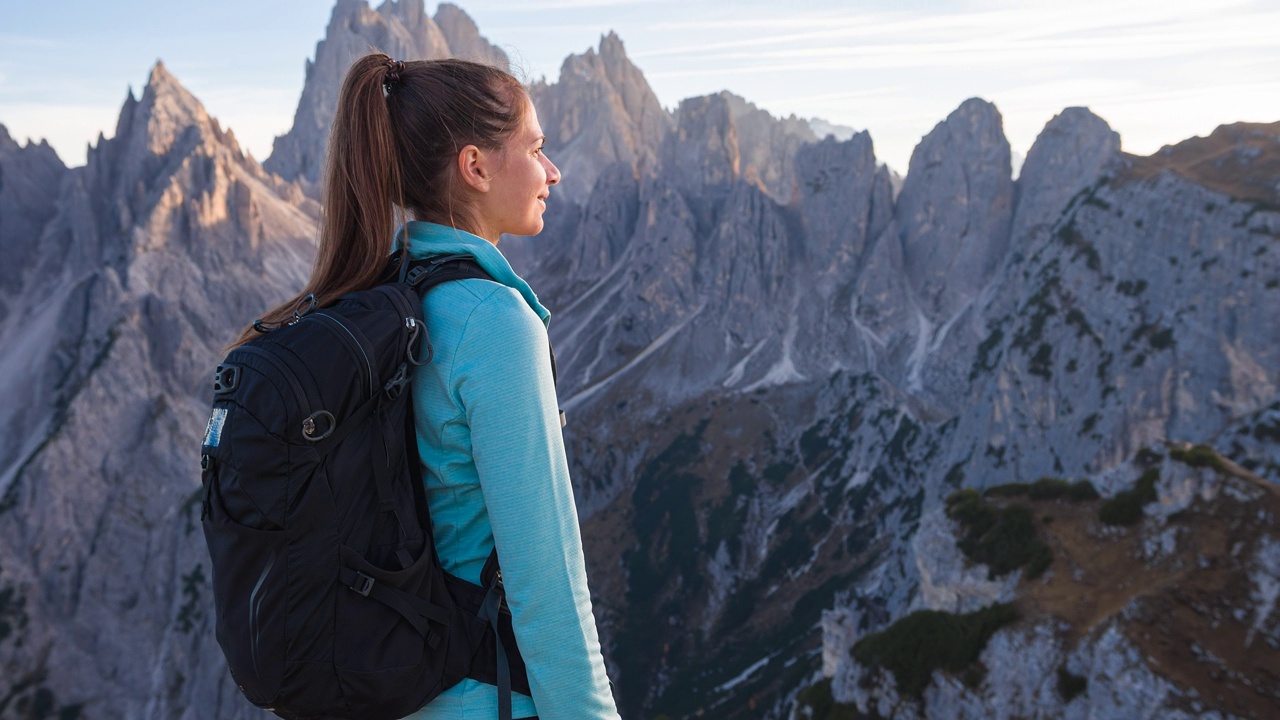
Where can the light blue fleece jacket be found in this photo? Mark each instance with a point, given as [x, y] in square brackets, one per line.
[495, 472]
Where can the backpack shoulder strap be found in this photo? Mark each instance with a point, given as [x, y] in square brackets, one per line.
[422, 275]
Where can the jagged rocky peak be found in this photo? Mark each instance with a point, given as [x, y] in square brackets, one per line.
[171, 174]
[402, 30]
[600, 111]
[752, 145]
[9, 146]
[835, 181]
[703, 153]
[162, 118]
[768, 146]
[464, 37]
[952, 242]
[1068, 155]
[1241, 160]
[29, 179]
[133, 172]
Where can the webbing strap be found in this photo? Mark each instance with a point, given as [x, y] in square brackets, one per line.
[489, 613]
[382, 481]
[416, 611]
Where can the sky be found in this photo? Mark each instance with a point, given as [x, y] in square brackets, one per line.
[1158, 71]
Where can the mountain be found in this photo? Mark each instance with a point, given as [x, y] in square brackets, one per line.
[1169, 586]
[29, 181]
[796, 385]
[400, 29]
[151, 255]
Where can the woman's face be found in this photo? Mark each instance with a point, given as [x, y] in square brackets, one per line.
[520, 183]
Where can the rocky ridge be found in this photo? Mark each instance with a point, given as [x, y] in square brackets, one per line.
[1004, 371]
[29, 179]
[1173, 616]
[399, 28]
[776, 367]
[166, 241]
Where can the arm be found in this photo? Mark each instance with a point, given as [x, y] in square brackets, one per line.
[503, 377]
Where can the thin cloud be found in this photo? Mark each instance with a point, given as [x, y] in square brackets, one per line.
[1033, 27]
[28, 41]
[545, 6]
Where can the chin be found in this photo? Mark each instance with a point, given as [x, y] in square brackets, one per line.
[527, 230]
[534, 227]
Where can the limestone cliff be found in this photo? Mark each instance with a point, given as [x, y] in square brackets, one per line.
[779, 360]
[601, 111]
[160, 247]
[29, 179]
[401, 29]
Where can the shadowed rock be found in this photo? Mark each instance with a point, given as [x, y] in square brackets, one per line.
[400, 29]
[601, 111]
[1067, 156]
[955, 208]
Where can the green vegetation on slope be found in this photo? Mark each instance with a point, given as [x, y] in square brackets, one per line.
[1126, 507]
[1003, 539]
[927, 640]
[817, 703]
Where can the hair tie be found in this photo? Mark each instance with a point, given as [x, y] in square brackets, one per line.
[392, 78]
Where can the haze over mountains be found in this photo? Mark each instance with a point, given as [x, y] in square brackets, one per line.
[778, 358]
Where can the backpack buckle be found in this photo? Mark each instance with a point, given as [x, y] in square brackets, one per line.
[225, 378]
[414, 276]
[363, 584]
[396, 384]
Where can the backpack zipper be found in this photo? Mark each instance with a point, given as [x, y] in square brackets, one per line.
[354, 343]
[299, 396]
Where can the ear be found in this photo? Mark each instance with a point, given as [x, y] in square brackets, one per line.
[475, 166]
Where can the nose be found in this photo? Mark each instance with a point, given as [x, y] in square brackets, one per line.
[553, 172]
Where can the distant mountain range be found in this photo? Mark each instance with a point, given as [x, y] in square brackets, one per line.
[828, 425]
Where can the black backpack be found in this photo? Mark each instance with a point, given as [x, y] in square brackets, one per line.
[329, 596]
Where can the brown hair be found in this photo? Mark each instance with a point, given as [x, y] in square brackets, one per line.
[397, 130]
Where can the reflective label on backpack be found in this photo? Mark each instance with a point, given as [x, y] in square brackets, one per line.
[213, 431]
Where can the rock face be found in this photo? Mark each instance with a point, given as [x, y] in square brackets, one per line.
[1068, 155]
[777, 357]
[402, 30]
[600, 112]
[955, 209]
[29, 180]
[1129, 621]
[158, 249]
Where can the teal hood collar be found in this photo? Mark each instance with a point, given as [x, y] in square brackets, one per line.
[427, 239]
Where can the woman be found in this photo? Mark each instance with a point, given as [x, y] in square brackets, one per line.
[457, 145]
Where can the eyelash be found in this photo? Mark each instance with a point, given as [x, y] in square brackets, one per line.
[537, 151]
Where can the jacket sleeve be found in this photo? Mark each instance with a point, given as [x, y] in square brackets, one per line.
[502, 375]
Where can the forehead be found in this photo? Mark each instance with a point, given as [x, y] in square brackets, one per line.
[530, 129]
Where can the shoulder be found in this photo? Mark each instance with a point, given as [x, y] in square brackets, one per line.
[462, 299]
[495, 314]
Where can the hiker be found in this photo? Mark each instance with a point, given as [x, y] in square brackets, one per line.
[457, 146]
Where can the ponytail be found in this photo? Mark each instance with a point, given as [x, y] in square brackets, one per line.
[397, 129]
[362, 189]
